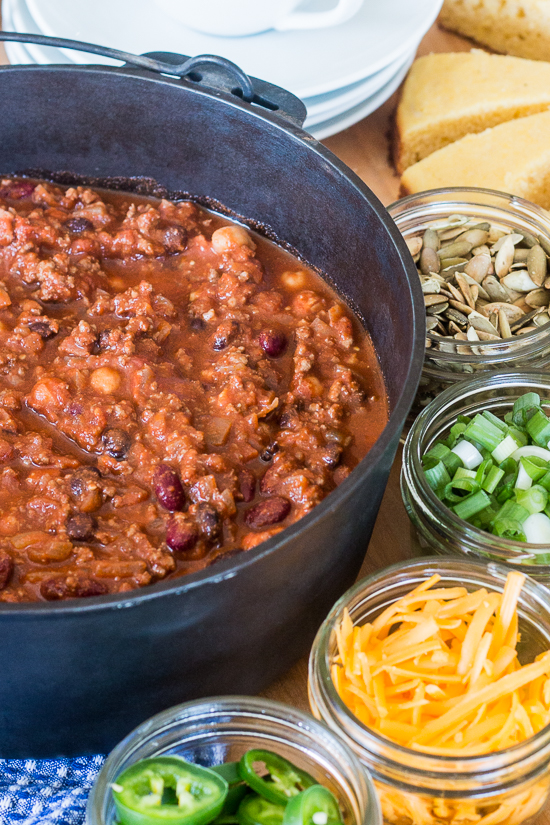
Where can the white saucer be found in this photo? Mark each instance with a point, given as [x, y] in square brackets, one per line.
[308, 63]
[337, 103]
[337, 124]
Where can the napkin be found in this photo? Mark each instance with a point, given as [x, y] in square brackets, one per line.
[46, 791]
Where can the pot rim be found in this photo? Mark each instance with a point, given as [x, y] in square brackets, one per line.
[229, 568]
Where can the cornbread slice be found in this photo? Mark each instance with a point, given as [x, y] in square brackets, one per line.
[447, 96]
[513, 157]
[520, 27]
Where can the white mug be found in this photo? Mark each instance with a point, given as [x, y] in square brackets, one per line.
[233, 18]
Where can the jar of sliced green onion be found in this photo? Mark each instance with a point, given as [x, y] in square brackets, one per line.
[476, 472]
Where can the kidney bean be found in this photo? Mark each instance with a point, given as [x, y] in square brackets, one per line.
[208, 521]
[247, 485]
[87, 588]
[44, 327]
[181, 535]
[78, 225]
[6, 569]
[273, 343]
[81, 527]
[117, 442]
[54, 589]
[17, 190]
[269, 511]
[168, 488]
[86, 490]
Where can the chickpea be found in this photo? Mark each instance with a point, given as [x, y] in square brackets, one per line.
[228, 237]
[105, 380]
[294, 280]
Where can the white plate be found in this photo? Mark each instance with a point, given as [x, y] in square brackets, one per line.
[23, 21]
[337, 104]
[308, 63]
[338, 124]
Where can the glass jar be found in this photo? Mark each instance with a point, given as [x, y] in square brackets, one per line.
[508, 787]
[458, 360]
[436, 528]
[211, 731]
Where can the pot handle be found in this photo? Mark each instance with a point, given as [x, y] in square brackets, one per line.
[216, 73]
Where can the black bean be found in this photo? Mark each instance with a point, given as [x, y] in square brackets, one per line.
[45, 328]
[269, 452]
[116, 442]
[86, 490]
[81, 527]
[6, 569]
[332, 454]
[273, 343]
[174, 239]
[78, 225]
[197, 324]
[269, 511]
[208, 521]
[247, 485]
[181, 535]
[168, 488]
[229, 554]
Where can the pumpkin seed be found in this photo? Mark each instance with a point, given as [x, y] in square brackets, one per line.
[480, 282]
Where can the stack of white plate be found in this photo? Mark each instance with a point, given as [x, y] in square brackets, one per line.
[341, 73]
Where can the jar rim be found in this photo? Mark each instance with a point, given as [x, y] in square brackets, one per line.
[385, 751]
[530, 212]
[504, 549]
[250, 708]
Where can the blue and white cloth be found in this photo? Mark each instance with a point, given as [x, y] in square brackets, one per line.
[46, 791]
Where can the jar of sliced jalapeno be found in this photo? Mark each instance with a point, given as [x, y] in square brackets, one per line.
[232, 761]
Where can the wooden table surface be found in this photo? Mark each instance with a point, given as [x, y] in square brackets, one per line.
[365, 149]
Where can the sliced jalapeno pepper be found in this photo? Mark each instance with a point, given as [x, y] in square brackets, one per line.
[285, 779]
[167, 790]
[256, 810]
[314, 806]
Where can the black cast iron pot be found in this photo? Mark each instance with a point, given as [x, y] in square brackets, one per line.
[76, 676]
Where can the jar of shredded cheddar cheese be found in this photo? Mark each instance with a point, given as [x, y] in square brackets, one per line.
[437, 673]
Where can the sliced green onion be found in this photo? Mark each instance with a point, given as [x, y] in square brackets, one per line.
[532, 449]
[524, 480]
[468, 453]
[524, 407]
[508, 528]
[507, 447]
[518, 435]
[537, 529]
[455, 433]
[545, 481]
[436, 474]
[484, 432]
[512, 510]
[535, 467]
[538, 427]
[471, 505]
[492, 479]
[535, 499]
[438, 451]
[483, 469]
[495, 421]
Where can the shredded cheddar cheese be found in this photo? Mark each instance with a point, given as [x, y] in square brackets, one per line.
[438, 672]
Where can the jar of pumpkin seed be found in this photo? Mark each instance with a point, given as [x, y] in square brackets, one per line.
[483, 264]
